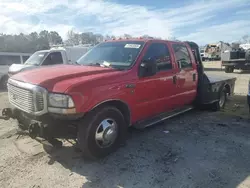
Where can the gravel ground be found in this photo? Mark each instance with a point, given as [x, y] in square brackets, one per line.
[199, 149]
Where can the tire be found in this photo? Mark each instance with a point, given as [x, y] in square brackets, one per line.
[226, 69]
[229, 69]
[220, 104]
[3, 82]
[92, 125]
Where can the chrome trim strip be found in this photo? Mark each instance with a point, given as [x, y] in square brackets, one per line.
[35, 90]
[21, 84]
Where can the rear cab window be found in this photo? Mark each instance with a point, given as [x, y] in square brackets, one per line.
[182, 56]
[159, 53]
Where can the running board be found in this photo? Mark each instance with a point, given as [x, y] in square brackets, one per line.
[157, 119]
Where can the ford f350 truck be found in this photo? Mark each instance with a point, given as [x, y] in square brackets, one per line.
[117, 84]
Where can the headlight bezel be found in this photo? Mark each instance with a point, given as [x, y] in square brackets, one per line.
[60, 100]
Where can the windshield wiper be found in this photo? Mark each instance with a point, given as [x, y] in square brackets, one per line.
[94, 64]
[99, 64]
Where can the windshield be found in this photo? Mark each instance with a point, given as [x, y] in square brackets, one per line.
[36, 58]
[115, 54]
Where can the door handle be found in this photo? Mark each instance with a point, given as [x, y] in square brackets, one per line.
[194, 77]
[174, 79]
[130, 86]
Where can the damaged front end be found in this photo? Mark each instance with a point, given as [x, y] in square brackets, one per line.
[34, 128]
[8, 113]
[30, 107]
[47, 126]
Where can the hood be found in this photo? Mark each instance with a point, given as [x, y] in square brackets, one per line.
[15, 68]
[48, 76]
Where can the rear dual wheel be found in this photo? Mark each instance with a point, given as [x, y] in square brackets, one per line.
[101, 132]
[220, 104]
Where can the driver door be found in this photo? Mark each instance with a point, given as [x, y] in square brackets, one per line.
[155, 94]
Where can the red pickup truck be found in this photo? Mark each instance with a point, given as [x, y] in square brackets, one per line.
[117, 84]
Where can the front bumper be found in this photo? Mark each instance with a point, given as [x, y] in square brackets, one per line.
[46, 126]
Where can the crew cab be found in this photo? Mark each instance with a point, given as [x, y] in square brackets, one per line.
[115, 85]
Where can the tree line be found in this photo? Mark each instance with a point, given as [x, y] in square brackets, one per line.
[29, 43]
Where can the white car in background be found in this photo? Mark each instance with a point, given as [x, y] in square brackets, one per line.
[53, 56]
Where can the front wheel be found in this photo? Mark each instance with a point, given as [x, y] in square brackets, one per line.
[101, 132]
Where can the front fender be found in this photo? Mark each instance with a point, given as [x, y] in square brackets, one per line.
[100, 95]
[96, 101]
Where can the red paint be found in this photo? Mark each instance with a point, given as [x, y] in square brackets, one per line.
[90, 86]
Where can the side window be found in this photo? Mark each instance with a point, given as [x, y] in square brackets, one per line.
[53, 58]
[182, 56]
[160, 53]
[25, 58]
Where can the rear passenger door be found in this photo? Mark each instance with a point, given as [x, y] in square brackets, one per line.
[186, 75]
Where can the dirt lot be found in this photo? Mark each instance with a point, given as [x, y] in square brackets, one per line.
[202, 149]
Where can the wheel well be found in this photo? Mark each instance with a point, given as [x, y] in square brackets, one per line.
[123, 107]
[228, 89]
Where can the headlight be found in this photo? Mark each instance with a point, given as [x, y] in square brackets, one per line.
[60, 101]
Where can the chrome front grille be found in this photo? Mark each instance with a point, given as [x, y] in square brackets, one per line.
[29, 99]
[21, 98]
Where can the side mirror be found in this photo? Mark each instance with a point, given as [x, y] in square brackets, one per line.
[147, 68]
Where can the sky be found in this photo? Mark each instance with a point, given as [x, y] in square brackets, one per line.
[202, 21]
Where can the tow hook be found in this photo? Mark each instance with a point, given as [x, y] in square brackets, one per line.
[7, 114]
[34, 130]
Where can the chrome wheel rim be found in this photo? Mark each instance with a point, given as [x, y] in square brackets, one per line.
[222, 99]
[106, 133]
